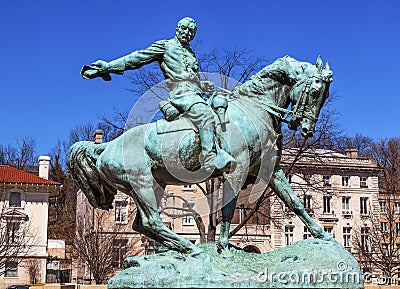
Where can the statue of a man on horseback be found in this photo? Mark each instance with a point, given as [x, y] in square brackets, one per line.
[180, 68]
[143, 160]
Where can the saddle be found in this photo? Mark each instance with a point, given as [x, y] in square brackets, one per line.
[174, 121]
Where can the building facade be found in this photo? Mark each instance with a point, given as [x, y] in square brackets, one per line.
[24, 217]
[339, 191]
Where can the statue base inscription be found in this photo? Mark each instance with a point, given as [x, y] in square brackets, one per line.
[311, 263]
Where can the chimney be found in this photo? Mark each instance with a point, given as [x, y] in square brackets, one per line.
[44, 163]
[352, 153]
[98, 136]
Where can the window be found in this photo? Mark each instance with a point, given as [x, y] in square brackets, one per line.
[365, 239]
[326, 181]
[398, 229]
[396, 206]
[121, 212]
[13, 231]
[307, 233]
[382, 206]
[364, 206]
[363, 182]
[120, 250]
[384, 227]
[15, 200]
[189, 187]
[289, 235]
[398, 251]
[329, 230]
[346, 206]
[327, 204]
[151, 246]
[188, 219]
[11, 269]
[242, 213]
[347, 237]
[345, 181]
[307, 202]
[220, 192]
[287, 209]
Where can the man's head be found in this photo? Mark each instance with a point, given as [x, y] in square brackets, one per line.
[186, 30]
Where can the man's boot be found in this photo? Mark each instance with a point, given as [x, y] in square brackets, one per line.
[210, 160]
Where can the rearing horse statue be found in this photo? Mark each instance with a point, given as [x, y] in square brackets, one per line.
[141, 162]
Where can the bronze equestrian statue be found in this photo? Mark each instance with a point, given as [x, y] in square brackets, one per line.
[142, 161]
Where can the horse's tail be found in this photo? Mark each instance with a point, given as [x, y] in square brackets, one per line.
[81, 163]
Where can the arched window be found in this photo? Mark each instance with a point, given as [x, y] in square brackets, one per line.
[251, 249]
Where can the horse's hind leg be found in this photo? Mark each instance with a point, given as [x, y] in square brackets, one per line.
[149, 222]
[282, 187]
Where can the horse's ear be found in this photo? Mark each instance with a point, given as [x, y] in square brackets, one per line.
[319, 63]
[327, 67]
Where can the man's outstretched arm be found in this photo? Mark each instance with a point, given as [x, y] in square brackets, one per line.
[135, 60]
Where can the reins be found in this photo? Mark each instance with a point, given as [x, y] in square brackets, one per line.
[282, 113]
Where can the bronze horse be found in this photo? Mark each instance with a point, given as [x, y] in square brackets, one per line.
[141, 162]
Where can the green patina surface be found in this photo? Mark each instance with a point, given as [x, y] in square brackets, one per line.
[306, 264]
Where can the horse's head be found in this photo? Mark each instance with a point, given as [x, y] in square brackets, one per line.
[308, 96]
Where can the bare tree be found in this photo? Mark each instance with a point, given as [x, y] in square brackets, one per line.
[236, 64]
[20, 155]
[378, 243]
[17, 237]
[33, 268]
[62, 207]
[186, 211]
[360, 143]
[96, 243]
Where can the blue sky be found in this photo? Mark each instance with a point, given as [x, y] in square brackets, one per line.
[45, 43]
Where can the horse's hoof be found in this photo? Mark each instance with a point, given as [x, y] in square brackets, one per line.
[227, 255]
[179, 256]
[130, 262]
[162, 250]
[222, 246]
[200, 254]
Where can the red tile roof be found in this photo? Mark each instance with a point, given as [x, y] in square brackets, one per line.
[12, 175]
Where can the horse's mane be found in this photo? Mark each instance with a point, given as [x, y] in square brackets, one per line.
[285, 71]
[269, 84]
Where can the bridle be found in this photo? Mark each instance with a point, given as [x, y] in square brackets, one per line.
[298, 112]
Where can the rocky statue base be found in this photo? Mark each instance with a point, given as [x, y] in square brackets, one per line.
[309, 263]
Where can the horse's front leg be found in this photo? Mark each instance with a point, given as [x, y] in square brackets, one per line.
[232, 185]
[281, 186]
[228, 208]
